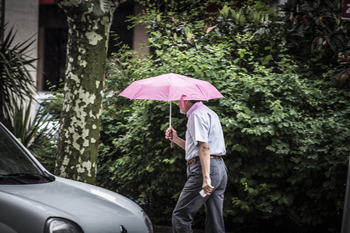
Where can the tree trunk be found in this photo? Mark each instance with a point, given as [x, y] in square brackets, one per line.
[88, 33]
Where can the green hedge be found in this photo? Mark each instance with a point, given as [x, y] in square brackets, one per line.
[287, 136]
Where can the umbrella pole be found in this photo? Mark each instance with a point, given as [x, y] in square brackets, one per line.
[171, 134]
[170, 116]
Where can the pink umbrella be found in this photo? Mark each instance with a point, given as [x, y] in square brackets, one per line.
[171, 87]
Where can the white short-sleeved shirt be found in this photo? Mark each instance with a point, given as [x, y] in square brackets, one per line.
[203, 125]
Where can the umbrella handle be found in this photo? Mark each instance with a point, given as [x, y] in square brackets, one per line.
[171, 136]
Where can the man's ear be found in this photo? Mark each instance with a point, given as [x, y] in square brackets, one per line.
[187, 103]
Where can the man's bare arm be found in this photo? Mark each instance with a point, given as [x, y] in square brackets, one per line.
[204, 156]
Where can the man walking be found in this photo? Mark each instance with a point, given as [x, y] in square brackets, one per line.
[206, 170]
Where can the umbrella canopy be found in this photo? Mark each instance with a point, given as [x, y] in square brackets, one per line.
[170, 87]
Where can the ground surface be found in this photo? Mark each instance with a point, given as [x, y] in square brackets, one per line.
[165, 229]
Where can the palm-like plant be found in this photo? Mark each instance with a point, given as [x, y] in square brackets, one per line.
[17, 91]
[16, 83]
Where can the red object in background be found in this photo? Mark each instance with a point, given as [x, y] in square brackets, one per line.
[46, 1]
[346, 10]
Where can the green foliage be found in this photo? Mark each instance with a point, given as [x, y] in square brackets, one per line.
[48, 113]
[46, 151]
[29, 131]
[318, 36]
[287, 136]
[37, 134]
[290, 149]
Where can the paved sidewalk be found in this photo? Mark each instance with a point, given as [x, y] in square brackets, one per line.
[165, 229]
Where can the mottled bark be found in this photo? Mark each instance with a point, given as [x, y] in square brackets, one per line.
[88, 33]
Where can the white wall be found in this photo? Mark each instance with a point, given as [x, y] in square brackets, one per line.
[23, 16]
[140, 33]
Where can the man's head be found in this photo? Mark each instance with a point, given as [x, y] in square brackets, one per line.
[187, 105]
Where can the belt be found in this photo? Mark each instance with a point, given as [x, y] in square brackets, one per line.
[195, 159]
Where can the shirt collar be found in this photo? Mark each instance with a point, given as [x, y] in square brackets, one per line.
[194, 107]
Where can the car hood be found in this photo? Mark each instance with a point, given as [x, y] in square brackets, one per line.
[94, 209]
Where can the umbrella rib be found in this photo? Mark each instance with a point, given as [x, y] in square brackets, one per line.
[137, 92]
[206, 97]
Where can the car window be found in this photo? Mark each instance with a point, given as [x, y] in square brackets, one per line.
[15, 166]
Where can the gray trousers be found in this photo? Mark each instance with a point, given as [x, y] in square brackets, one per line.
[190, 200]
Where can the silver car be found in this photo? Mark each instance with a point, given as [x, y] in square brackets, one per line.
[34, 201]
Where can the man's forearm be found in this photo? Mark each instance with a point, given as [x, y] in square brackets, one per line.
[180, 142]
[204, 156]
